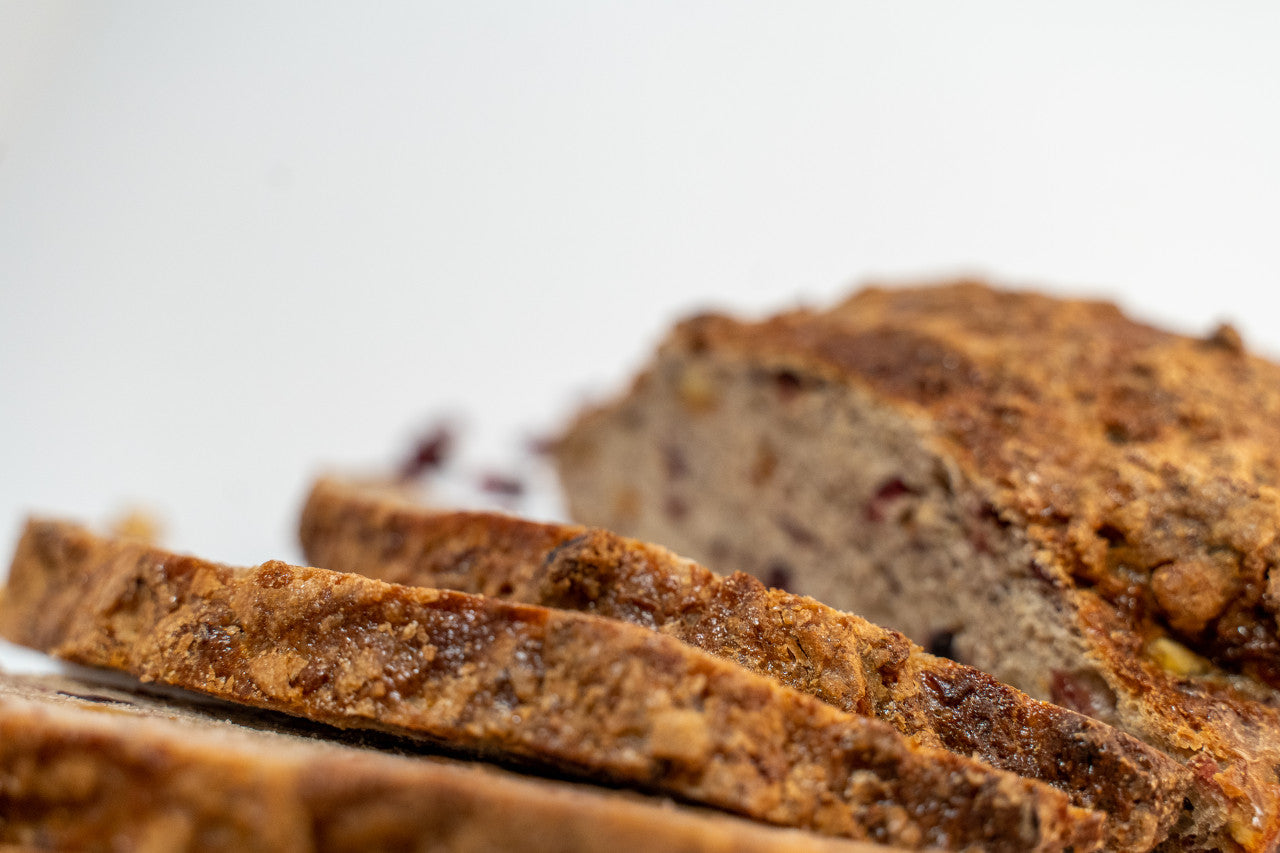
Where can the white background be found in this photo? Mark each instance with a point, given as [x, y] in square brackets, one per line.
[242, 243]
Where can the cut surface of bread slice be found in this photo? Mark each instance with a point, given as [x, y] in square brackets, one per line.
[1082, 505]
[585, 695]
[88, 767]
[840, 658]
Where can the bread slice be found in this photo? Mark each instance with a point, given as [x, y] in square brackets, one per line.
[840, 658]
[87, 767]
[588, 696]
[1082, 505]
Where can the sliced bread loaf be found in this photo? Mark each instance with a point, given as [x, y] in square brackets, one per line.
[588, 696]
[838, 657]
[1082, 505]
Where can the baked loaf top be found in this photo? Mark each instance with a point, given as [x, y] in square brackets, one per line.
[1146, 462]
[589, 696]
[840, 658]
[86, 767]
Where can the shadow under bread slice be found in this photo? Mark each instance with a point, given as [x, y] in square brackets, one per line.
[838, 657]
[86, 767]
[593, 697]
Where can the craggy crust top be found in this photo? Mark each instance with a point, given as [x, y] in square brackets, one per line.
[1147, 462]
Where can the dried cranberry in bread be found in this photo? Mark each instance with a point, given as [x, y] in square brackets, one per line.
[87, 767]
[591, 697]
[840, 658]
[1080, 504]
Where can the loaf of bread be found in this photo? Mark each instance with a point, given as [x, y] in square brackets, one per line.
[1082, 505]
[88, 767]
[840, 658]
[595, 698]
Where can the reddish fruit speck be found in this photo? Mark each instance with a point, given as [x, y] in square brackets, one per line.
[430, 453]
[500, 484]
[890, 490]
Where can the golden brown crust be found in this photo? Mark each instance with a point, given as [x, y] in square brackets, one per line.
[456, 549]
[115, 771]
[1141, 465]
[586, 695]
[842, 659]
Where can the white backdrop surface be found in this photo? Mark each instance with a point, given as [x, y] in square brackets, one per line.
[241, 243]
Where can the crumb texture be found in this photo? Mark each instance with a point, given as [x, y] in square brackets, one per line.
[1147, 462]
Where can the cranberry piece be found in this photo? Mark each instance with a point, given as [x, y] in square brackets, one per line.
[888, 492]
[430, 453]
[500, 484]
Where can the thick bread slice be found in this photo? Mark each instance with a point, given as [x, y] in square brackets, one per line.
[589, 696]
[840, 658]
[85, 767]
[1084, 506]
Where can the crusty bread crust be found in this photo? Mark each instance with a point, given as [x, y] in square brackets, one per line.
[86, 767]
[589, 696]
[840, 658]
[1124, 478]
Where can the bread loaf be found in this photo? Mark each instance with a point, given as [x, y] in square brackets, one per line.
[1082, 505]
